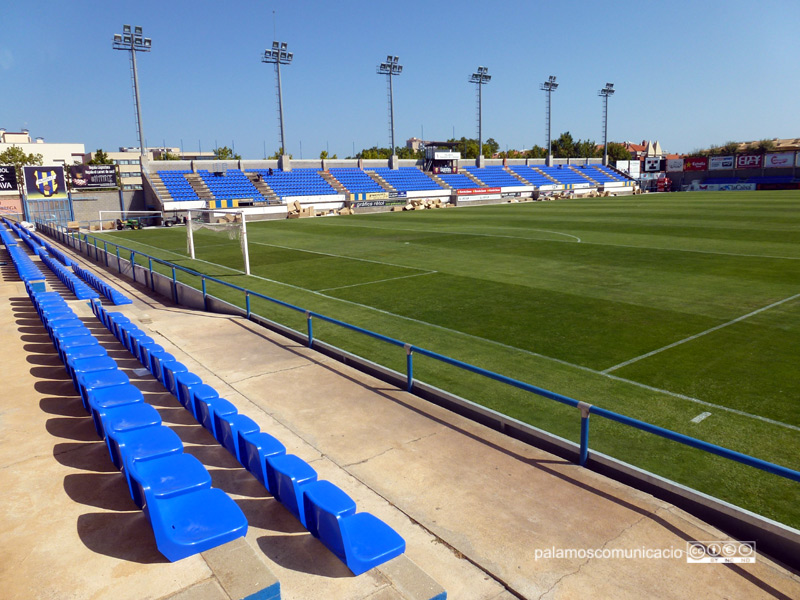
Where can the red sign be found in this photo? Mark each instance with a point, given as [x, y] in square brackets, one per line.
[695, 163]
[476, 191]
[748, 161]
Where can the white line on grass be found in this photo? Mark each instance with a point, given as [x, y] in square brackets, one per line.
[530, 239]
[341, 287]
[514, 348]
[377, 262]
[701, 334]
[701, 417]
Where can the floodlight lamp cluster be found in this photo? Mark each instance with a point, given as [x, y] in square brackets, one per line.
[550, 85]
[391, 66]
[607, 91]
[132, 39]
[481, 76]
[277, 54]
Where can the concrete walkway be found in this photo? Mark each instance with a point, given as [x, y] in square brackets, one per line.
[482, 514]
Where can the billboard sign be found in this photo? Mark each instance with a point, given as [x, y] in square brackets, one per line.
[748, 161]
[674, 165]
[478, 191]
[778, 160]
[695, 163]
[11, 205]
[720, 163]
[93, 176]
[44, 183]
[8, 178]
[447, 155]
[653, 165]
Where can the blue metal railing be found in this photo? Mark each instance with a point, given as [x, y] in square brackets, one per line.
[586, 410]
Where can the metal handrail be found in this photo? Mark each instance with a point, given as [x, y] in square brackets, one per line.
[585, 409]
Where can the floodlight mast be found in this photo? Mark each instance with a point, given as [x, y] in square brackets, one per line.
[549, 86]
[133, 41]
[605, 93]
[390, 68]
[279, 55]
[480, 78]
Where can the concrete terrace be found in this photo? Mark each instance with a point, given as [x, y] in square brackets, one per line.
[473, 505]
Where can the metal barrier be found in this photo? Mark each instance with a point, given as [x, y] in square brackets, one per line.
[585, 409]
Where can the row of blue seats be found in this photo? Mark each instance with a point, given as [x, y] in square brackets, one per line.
[360, 540]
[115, 296]
[26, 269]
[81, 290]
[186, 514]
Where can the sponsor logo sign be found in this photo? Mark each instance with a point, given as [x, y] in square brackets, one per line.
[398, 194]
[652, 165]
[445, 170]
[378, 203]
[674, 165]
[44, 183]
[720, 163]
[695, 163]
[777, 160]
[10, 205]
[478, 191]
[446, 155]
[8, 178]
[748, 161]
[93, 176]
[736, 187]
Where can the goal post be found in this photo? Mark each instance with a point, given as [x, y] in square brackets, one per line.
[222, 224]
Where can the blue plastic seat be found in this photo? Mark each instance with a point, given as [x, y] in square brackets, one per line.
[207, 405]
[291, 474]
[156, 356]
[184, 382]
[169, 371]
[360, 540]
[254, 448]
[167, 476]
[142, 444]
[227, 428]
[124, 417]
[88, 365]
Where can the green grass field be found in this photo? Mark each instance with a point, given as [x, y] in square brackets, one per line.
[660, 307]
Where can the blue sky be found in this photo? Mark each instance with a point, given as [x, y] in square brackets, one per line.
[688, 74]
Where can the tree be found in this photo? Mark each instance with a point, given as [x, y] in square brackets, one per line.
[16, 156]
[324, 154]
[274, 156]
[167, 155]
[226, 153]
[536, 152]
[617, 152]
[100, 158]
[564, 146]
[490, 148]
[587, 149]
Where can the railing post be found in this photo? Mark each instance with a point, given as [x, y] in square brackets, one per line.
[409, 367]
[584, 455]
[133, 265]
[205, 298]
[246, 301]
[150, 267]
[119, 261]
[310, 329]
[95, 250]
[174, 286]
[105, 250]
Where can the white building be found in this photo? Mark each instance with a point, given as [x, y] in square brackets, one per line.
[62, 155]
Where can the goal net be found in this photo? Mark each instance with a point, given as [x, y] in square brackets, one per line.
[218, 236]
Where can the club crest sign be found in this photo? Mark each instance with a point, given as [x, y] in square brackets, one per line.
[44, 183]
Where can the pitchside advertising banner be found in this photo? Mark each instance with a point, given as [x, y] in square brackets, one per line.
[748, 161]
[695, 163]
[93, 176]
[8, 178]
[778, 160]
[720, 163]
[44, 183]
[674, 165]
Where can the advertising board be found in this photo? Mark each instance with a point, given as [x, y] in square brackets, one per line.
[44, 183]
[11, 205]
[748, 161]
[778, 160]
[674, 165]
[720, 163]
[695, 163]
[653, 164]
[8, 179]
[93, 176]
[477, 191]
[447, 155]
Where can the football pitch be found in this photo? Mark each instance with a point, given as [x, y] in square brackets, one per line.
[682, 310]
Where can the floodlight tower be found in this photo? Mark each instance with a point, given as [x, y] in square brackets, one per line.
[480, 78]
[390, 68]
[549, 86]
[279, 55]
[605, 93]
[133, 41]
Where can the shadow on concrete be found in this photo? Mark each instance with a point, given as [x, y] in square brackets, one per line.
[86, 456]
[62, 406]
[213, 456]
[57, 387]
[54, 373]
[70, 428]
[238, 482]
[304, 554]
[270, 515]
[108, 491]
[126, 536]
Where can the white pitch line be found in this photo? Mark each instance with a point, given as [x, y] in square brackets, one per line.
[701, 334]
[514, 348]
[530, 239]
[377, 262]
[341, 287]
[701, 417]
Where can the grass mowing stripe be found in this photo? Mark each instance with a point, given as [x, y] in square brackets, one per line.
[377, 262]
[341, 287]
[519, 237]
[701, 334]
